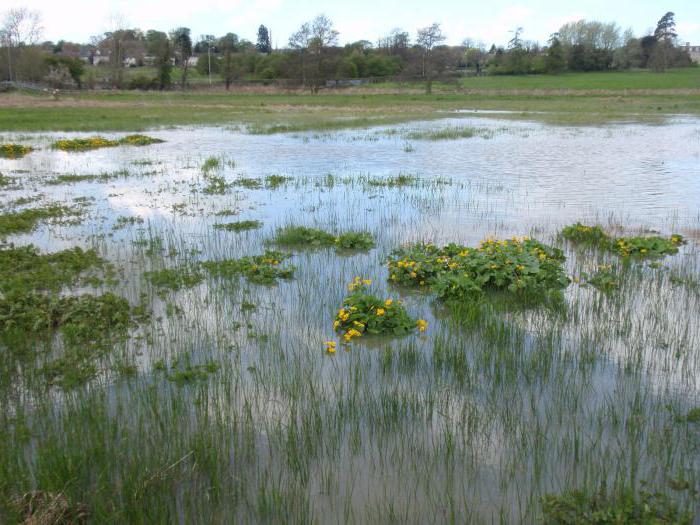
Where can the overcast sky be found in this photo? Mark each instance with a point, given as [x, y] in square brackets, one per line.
[491, 21]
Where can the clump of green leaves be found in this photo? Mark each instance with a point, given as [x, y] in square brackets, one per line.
[73, 178]
[216, 185]
[580, 233]
[84, 144]
[182, 371]
[238, 226]
[258, 269]
[640, 246]
[364, 313]
[25, 221]
[457, 273]
[248, 182]
[210, 164]
[579, 508]
[139, 140]
[14, 151]
[174, 279]
[24, 268]
[302, 236]
[275, 181]
[693, 416]
[393, 182]
[355, 241]
[605, 279]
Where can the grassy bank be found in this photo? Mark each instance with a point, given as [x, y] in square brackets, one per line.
[589, 98]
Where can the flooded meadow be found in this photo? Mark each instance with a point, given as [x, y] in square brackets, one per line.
[418, 323]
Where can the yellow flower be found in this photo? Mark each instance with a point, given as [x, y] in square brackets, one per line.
[358, 324]
[380, 311]
[367, 282]
[388, 302]
[330, 347]
[422, 325]
[414, 274]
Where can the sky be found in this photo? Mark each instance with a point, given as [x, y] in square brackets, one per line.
[490, 22]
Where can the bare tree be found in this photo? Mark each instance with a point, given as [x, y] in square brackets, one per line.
[427, 38]
[20, 27]
[300, 41]
[313, 39]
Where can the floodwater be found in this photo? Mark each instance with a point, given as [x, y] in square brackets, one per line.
[548, 410]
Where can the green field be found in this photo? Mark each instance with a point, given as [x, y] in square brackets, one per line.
[589, 98]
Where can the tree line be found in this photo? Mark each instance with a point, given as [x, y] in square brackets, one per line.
[313, 55]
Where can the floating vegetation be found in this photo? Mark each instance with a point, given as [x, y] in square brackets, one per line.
[124, 221]
[139, 140]
[579, 508]
[363, 313]
[249, 183]
[14, 151]
[238, 226]
[457, 273]
[354, 241]
[23, 267]
[84, 144]
[303, 236]
[183, 372]
[275, 181]
[74, 178]
[174, 279]
[211, 164]
[641, 247]
[605, 279]
[258, 269]
[448, 133]
[216, 185]
[26, 220]
[394, 182]
[228, 212]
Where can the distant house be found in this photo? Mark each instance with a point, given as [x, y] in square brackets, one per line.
[694, 52]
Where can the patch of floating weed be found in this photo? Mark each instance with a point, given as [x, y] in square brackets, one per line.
[364, 313]
[458, 273]
[74, 178]
[605, 279]
[216, 185]
[211, 164]
[24, 267]
[258, 269]
[589, 235]
[640, 247]
[394, 182]
[275, 181]
[14, 151]
[693, 416]
[124, 221]
[6, 181]
[228, 212]
[303, 236]
[579, 508]
[238, 226]
[175, 278]
[139, 140]
[249, 183]
[448, 133]
[183, 372]
[355, 241]
[26, 220]
[84, 144]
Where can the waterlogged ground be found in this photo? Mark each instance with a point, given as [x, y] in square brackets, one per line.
[222, 405]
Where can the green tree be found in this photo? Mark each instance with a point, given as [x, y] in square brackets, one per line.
[182, 46]
[264, 45]
[555, 61]
[427, 38]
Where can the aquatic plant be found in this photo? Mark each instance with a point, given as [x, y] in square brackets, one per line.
[354, 241]
[363, 313]
[14, 151]
[84, 144]
[26, 220]
[258, 269]
[303, 236]
[639, 246]
[139, 140]
[455, 272]
[238, 226]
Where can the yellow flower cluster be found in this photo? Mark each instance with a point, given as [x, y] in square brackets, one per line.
[422, 325]
[330, 347]
[13, 151]
[84, 144]
[358, 282]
